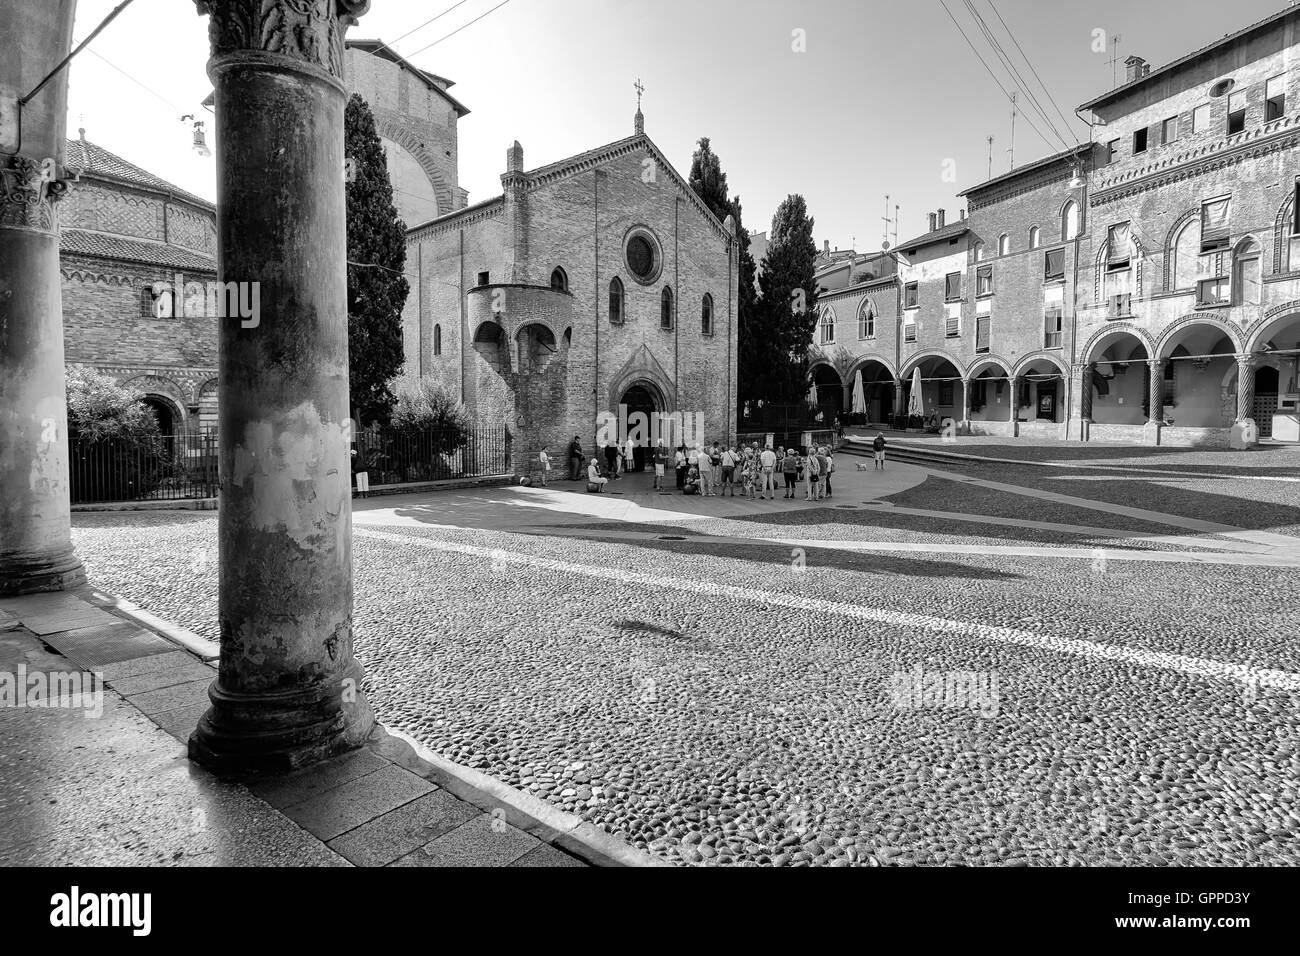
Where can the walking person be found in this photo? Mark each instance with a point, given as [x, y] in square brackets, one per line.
[768, 462]
[575, 458]
[878, 446]
[830, 469]
[789, 469]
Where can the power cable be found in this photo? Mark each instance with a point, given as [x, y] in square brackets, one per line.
[1029, 63]
[457, 30]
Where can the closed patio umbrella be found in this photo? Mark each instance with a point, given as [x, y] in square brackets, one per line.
[859, 398]
[812, 394]
[915, 401]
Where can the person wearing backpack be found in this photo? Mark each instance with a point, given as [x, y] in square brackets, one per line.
[878, 446]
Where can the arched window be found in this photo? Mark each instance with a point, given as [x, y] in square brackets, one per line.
[1245, 273]
[1004, 244]
[1069, 220]
[866, 320]
[706, 315]
[1033, 237]
[827, 326]
[1185, 269]
[615, 301]
[1117, 286]
[559, 280]
[666, 308]
[979, 252]
[437, 339]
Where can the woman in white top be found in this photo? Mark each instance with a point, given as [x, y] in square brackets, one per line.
[594, 477]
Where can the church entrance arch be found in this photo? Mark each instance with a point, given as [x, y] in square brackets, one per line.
[641, 401]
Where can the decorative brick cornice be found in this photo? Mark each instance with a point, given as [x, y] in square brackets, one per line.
[1270, 138]
[488, 209]
[310, 32]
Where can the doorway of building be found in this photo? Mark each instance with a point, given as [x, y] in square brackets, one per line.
[639, 398]
[1266, 383]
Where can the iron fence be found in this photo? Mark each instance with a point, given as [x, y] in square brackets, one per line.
[404, 457]
[174, 468]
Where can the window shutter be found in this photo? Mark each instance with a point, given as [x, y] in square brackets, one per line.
[1117, 248]
[1214, 223]
[1054, 267]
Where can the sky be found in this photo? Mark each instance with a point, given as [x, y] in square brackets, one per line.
[844, 101]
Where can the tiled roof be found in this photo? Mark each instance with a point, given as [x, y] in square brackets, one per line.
[950, 231]
[1067, 154]
[95, 160]
[103, 246]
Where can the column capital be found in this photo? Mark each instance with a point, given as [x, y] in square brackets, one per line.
[28, 190]
[309, 32]
[1247, 359]
[1156, 362]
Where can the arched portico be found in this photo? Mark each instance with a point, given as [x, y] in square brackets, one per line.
[832, 396]
[943, 393]
[878, 381]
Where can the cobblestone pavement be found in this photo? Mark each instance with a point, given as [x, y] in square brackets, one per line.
[678, 673]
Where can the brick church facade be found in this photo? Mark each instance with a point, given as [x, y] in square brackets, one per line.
[592, 283]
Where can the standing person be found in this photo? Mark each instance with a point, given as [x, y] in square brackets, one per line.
[575, 458]
[611, 460]
[749, 472]
[768, 462]
[715, 461]
[789, 469]
[679, 462]
[729, 462]
[705, 466]
[878, 446]
[830, 469]
[544, 460]
[811, 471]
[824, 470]
[629, 454]
[661, 463]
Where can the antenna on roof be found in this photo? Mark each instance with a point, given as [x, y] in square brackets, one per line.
[1114, 62]
[990, 156]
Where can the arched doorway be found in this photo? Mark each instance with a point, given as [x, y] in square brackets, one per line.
[639, 408]
[877, 391]
[830, 394]
[169, 421]
[941, 394]
[1121, 380]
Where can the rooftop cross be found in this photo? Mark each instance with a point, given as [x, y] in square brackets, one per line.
[639, 90]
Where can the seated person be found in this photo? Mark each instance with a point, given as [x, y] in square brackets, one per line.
[692, 486]
[595, 480]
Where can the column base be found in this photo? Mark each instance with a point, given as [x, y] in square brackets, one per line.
[1243, 434]
[274, 733]
[31, 574]
[1151, 432]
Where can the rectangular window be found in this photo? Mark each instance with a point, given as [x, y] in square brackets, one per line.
[1295, 209]
[952, 287]
[1169, 131]
[482, 278]
[984, 280]
[1214, 224]
[1117, 247]
[1275, 97]
[945, 394]
[1213, 291]
[909, 295]
[1236, 112]
[909, 331]
[1053, 309]
[1201, 118]
[1054, 265]
[952, 323]
[1140, 141]
[1112, 151]
[982, 323]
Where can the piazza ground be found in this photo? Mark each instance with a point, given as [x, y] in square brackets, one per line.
[715, 679]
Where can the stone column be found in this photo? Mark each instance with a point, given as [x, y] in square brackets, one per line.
[1086, 391]
[1014, 383]
[288, 691]
[1245, 432]
[963, 423]
[1155, 400]
[899, 406]
[35, 528]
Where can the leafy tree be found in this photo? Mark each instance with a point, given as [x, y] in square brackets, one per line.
[100, 409]
[377, 289]
[710, 184]
[422, 405]
[787, 315]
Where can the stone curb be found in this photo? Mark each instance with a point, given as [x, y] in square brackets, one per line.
[565, 831]
[177, 504]
[200, 647]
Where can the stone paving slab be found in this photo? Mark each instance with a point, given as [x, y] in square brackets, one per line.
[181, 673]
[190, 694]
[483, 841]
[409, 827]
[303, 785]
[358, 801]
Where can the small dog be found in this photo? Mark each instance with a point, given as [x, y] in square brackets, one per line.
[862, 466]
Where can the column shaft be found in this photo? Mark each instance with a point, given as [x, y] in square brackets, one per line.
[289, 689]
[35, 528]
[1156, 391]
[1245, 387]
[1086, 390]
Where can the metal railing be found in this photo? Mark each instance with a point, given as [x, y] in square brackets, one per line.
[174, 468]
[394, 457]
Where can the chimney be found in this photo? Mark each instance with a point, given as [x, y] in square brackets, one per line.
[940, 218]
[1135, 68]
[826, 245]
[515, 158]
[961, 213]
[932, 226]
